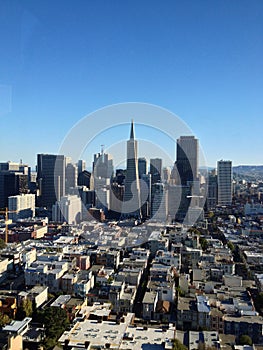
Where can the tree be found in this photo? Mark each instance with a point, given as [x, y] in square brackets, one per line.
[177, 345]
[4, 319]
[245, 340]
[25, 310]
[27, 307]
[2, 244]
[180, 291]
[55, 321]
[231, 246]
[204, 243]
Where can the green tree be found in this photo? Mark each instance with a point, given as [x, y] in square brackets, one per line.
[55, 321]
[180, 291]
[245, 340]
[177, 345]
[27, 307]
[231, 246]
[110, 280]
[204, 243]
[2, 244]
[25, 310]
[4, 319]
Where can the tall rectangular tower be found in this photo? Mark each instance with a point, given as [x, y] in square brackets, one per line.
[187, 159]
[142, 166]
[50, 178]
[156, 169]
[224, 180]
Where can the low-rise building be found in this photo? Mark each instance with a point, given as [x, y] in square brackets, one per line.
[149, 305]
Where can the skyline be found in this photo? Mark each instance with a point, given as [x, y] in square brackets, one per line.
[200, 60]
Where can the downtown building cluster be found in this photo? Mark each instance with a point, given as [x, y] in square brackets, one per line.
[67, 192]
[136, 258]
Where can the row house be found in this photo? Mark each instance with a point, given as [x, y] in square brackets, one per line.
[43, 274]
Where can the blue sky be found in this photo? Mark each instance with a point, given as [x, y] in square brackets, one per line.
[200, 59]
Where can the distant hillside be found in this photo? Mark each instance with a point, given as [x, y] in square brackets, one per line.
[241, 169]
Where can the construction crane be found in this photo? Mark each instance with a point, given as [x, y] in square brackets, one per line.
[7, 221]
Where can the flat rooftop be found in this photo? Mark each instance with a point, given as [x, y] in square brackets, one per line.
[123, 335]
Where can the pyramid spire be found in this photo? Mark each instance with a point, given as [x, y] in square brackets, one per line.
[132, 130]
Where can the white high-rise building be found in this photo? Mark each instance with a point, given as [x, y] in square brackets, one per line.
[21, 206]
[224, 180]
[68, 209]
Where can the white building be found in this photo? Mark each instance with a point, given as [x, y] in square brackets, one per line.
[103, 198]
[224, 179]
[67, 209]
[21, 206]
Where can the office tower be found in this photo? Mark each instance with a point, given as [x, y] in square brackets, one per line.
[224, 180]
[159, 204]
[21, 206]
[145, 191]
[12, 184]
[14, 180]
[116, 198]
[185, 201]
[211, 200]
[142, 167]
[156, 170]
[102, 165]
[50, 178]
[174, 199]
[132, 205]
[187, 159]
[103, 199]
[87, 196]
[67, 209]
[174, 177]
[15, 167]
[84, 178]
[166, 175]
[71, 177]
[81, 166]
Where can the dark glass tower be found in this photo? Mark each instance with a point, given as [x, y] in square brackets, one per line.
[187, 159]
[50, 178]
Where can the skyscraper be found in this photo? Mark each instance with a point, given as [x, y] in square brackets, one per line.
[81, 166]
[14, 178]
[156, 169]
[145, 191]
[50, 178]
[187, 159]
[12, 184]
[68, 209]
[212, 188]
[142, 166]
[132, 204]
[224, 180]
[71, 177]
[159, 204]
[102, 165]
